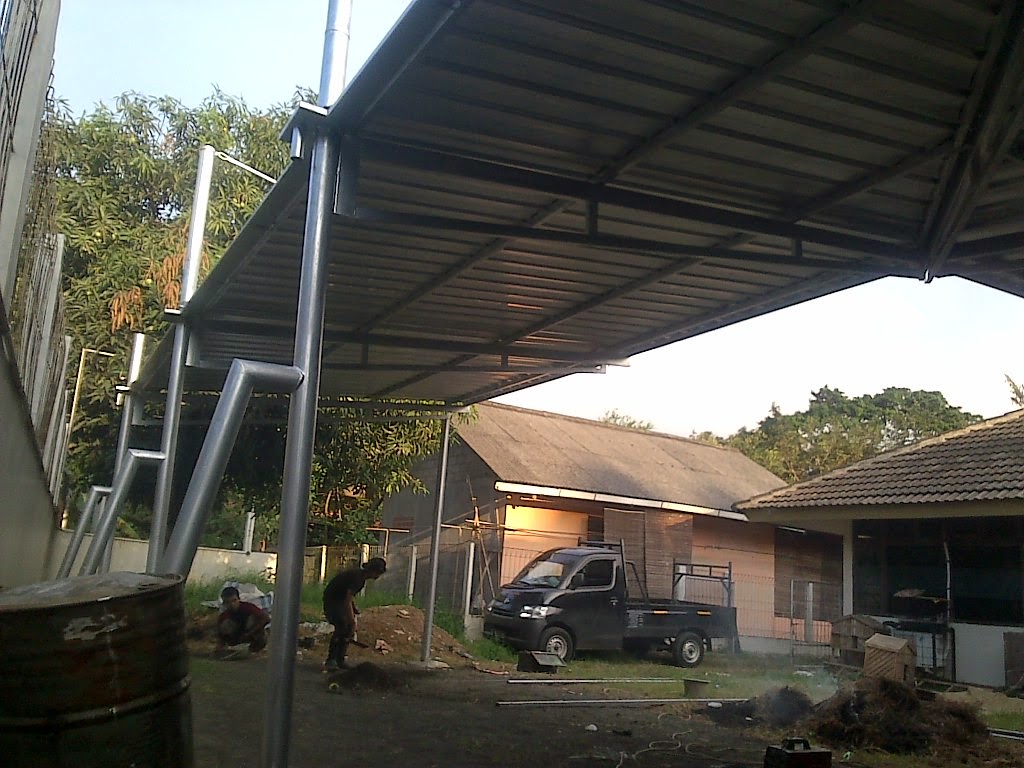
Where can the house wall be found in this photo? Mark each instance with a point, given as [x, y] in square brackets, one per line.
[533, 530]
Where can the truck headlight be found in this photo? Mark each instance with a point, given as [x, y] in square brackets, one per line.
[534, 611]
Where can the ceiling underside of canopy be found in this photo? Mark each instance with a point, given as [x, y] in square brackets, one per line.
[546, 187]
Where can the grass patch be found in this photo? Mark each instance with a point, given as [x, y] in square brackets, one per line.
[1009, 721]
[485, 648]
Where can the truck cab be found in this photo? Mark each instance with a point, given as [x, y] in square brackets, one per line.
[565, 599]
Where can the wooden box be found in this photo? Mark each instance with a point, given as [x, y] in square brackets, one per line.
[893, 658]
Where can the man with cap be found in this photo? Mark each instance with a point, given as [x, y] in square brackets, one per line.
[340, 607]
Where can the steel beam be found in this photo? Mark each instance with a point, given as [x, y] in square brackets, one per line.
[243, 377]
[992, 121]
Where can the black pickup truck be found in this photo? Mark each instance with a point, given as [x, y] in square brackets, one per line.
[575, 598]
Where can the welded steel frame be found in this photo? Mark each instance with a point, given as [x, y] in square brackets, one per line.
[96, 493]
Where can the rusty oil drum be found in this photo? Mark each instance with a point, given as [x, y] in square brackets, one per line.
[94, 672]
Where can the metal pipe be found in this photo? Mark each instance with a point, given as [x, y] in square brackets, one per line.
[302, 408]
[566, 681]
[78, 385]
[83, 525]
[604, 702]
[128, 403]
[104, 534]
[176, 365]
[213, 457]
[435, 541]
[335, 60]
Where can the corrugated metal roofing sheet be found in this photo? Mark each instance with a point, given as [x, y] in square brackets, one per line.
[547, 449]
[546, 186]
[983, 462]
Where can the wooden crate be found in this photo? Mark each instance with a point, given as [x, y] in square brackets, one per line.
[893, 658]
[849, 635]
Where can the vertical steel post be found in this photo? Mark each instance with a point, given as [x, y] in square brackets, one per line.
[435, 541]
[410, 585]
[302, 407]
[309, 329]
[176, 375]
[83, 525]
[335, 59]
[809, 612]
[467, 595]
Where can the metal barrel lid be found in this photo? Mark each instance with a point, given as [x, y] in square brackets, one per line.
[79, 590]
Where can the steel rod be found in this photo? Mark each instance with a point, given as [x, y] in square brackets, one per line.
[176, 365]
[103, 536]
[567, 681]
[605, 702]
[435, 542]
[83, 525]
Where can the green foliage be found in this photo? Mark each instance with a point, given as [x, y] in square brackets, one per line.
[1016, 392]
[125, 180]
[124, 184]
[836, 430]
[622, 420]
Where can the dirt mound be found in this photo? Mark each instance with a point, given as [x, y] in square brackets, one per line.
[366, 676]
[778, 708]
[887, 715]
[391, 632]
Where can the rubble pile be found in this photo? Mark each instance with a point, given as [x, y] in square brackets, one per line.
[888, 715]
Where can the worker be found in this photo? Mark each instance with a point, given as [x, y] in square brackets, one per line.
[240, 622]
[340, 607]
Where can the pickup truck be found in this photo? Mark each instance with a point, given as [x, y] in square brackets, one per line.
[575, 598]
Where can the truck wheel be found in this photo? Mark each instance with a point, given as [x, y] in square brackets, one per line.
[688, 649]
[557, 641]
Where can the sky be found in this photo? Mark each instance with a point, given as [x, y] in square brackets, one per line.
[950, 335]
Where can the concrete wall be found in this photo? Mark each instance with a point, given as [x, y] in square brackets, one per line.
[211, 565]
[27, 517]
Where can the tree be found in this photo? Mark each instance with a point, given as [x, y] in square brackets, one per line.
[124, 185]
[622, 420]
[836, 430]
[1016, 392]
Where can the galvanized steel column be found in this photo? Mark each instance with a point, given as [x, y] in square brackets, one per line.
[298, 458]
[176, 375]
[435, 541]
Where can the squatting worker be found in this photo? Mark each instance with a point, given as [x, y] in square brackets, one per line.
[340, 607]
[241, 622]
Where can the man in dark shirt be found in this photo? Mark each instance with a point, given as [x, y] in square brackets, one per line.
[340, 608]
[240, 622]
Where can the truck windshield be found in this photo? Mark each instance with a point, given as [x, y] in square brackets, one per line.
[546, 570]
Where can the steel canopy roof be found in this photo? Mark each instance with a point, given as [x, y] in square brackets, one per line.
[548, 186]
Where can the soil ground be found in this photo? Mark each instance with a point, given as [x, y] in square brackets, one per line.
[389, 711]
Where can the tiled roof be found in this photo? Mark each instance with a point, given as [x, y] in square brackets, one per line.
[556, 451]
[982, 462]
